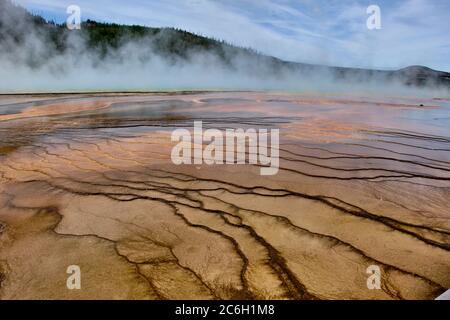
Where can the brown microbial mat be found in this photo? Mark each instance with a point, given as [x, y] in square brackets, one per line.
[87, 180]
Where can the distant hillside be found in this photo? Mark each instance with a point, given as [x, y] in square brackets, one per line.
[178, 45]
[106, 37]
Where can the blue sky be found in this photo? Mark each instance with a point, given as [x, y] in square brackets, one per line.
[329, 32]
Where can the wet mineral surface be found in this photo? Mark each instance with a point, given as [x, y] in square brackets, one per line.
[88, 180]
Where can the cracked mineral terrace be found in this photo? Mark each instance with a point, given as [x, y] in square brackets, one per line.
[87, 180]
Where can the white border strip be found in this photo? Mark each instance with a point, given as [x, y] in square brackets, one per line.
[445, 296]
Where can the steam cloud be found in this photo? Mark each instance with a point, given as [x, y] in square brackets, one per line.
[33, 63]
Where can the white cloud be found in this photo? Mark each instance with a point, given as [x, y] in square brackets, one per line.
[319, 31]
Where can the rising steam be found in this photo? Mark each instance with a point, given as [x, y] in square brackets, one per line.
[31, 61]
